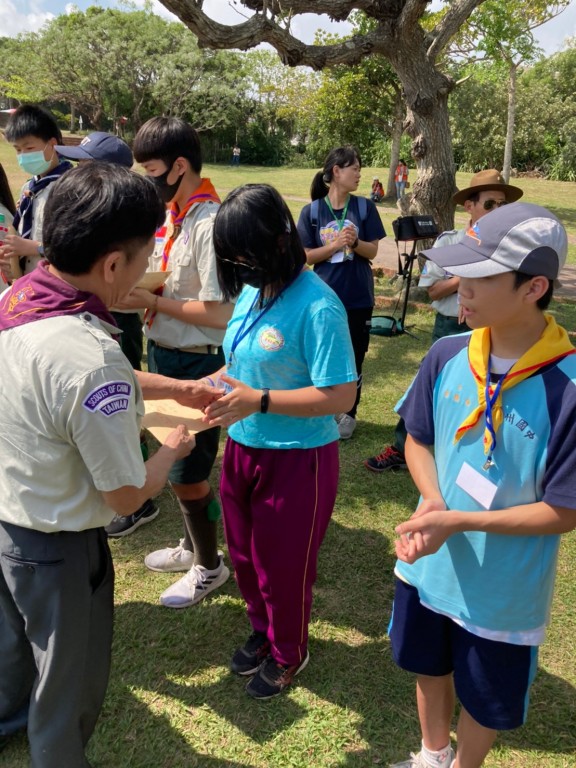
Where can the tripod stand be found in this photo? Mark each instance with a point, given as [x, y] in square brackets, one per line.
[408, 229]
[405, 272]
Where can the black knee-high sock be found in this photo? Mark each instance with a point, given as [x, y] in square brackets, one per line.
[200, 530]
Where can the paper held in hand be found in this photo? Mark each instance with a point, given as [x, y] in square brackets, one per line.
[151, 281]
[163, 416]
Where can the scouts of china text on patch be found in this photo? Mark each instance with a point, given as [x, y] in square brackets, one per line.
[109, 398]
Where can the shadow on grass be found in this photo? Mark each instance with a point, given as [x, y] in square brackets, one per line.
[191, 677]
[551, 726]
[362, 679]
[355, 586]
[179, 660]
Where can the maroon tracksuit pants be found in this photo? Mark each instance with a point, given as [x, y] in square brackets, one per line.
[276, 507]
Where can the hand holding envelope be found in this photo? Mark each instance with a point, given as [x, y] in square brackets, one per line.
[151, 281]
[163, 416]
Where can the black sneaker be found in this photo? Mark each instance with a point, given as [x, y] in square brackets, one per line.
[123, 525]
[390, 458]
[272, 678]
[247, 659]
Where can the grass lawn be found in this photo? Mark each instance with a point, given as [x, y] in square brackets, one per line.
[172, 703]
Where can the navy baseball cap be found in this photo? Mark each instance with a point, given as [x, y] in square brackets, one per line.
[520, 237]
[99, 146]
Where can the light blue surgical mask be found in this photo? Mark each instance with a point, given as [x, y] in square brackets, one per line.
[34, 163]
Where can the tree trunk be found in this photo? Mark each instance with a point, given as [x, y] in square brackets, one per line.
[97, 118]
[397, 129]
[426, 96]
[507, 164]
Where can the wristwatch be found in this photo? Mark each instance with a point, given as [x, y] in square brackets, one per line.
[265, 400]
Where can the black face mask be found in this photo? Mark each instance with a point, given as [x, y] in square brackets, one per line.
[165, 190]
[248, 276]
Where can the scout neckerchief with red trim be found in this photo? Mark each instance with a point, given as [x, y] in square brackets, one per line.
[204, 193]
[41, 295]
[552, 346]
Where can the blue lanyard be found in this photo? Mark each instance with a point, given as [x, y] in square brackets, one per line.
[242, 332]
[490, 403]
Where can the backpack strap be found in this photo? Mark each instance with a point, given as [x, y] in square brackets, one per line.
[363, 208]
[314, 212]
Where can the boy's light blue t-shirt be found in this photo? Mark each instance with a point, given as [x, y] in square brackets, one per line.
[301, 341]
[502, 583]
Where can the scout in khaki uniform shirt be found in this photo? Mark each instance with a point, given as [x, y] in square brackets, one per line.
[185, 327]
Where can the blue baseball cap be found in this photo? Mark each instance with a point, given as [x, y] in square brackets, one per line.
[99, 146]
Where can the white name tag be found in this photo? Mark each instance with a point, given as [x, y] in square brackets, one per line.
[476, 485]
[337, 258]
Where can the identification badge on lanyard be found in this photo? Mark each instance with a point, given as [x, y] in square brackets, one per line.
[476, 485]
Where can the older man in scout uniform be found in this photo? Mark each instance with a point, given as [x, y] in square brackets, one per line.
[70, 457]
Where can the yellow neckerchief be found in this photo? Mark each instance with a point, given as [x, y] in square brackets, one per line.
[553, 345]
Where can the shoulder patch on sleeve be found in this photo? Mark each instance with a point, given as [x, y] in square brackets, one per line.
[109, 398]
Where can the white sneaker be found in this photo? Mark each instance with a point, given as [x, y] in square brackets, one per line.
[417, 761]
[194, 586]
[170, 560]
[346, 427]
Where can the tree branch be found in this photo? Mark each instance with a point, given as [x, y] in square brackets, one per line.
[412, 13]
[447, 27]
[338, 10]
[292, 51]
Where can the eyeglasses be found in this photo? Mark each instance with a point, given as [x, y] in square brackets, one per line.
[251, 267]
[489, 204]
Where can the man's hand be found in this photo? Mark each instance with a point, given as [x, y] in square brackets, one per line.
[242, 401]
[196, 394]
[138, 298]
[425, 532]
[193, 394]
[181, 442]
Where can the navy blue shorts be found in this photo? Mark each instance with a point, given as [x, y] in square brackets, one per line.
[492, 679]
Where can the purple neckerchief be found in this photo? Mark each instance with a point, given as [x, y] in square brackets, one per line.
[41, 294]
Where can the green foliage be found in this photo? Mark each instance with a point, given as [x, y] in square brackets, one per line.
[277, 108]
[547, 119]
[545, 132]
[108, 63]
[354, 105]
[17, 55]
[478, 111]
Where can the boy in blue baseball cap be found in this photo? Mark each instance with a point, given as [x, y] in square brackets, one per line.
[101, 146]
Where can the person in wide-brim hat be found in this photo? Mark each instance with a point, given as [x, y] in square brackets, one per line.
[489, 179]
